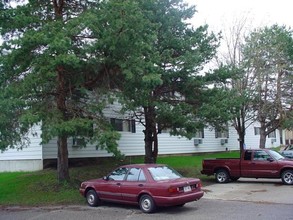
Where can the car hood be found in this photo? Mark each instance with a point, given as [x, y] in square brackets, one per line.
[287, 161]
[94, 181]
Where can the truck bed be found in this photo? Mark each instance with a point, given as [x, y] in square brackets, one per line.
[211, 165]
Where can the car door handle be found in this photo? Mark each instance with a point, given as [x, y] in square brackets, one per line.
[118, 184]
[140, 185]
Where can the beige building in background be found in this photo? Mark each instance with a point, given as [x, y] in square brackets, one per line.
[288, 137]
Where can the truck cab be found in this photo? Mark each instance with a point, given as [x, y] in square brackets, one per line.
[259, 164]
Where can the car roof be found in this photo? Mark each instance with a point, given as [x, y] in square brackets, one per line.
[143, 165]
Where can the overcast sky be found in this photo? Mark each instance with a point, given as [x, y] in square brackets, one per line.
[219, 13]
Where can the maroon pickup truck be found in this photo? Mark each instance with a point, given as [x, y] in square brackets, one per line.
[258, 163]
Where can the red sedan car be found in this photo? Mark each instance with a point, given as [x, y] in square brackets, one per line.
[148, 185]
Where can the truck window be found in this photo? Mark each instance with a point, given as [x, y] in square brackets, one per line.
[247, 155]
[260, 155]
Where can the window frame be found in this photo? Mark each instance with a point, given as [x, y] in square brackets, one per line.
[199, 134]
[123, 125]
[222, 133]
[256, 130]
[272, 134]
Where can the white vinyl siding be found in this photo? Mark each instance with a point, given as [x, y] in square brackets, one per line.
[132, 144]
[27, 159]
[33, 151]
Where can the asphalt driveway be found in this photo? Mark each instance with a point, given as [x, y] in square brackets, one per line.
[252, 190]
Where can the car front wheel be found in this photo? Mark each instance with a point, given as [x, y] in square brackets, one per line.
[147, 204]
[287, 177]
[222, 176]
[92, 198]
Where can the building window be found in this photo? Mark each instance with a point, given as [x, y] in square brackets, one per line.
[123, 125]
[163, 129]
[222, 133]
[272, 134]
[199, 134]
[256, 130]
[78, 142]
[82, 135]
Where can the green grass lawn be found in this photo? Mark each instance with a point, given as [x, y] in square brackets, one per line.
[42, 188]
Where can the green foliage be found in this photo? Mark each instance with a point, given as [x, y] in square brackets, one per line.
[167, 78]
[59, 62]
[62, 64]
[108, 140]
[288, 122]
[58, 70]
[228, 100]
[11, 130]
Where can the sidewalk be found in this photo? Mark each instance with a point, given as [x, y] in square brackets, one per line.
[254, 190]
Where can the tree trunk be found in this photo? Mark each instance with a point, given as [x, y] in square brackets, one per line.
[63, 171]
[155, 151]
[262, 140]
[62, 166]
[242, 142]
[240, 128]
[151, 136]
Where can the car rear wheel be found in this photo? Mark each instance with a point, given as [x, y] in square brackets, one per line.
[287, 177]
[92, 198]
[147, 204]
[222, 176]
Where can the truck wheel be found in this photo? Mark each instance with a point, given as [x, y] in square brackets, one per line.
[287, 177]
[222, 176]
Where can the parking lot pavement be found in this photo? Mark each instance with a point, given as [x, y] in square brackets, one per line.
[254, 190]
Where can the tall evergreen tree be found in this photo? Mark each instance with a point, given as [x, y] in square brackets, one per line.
[166, 90]
[55, 56]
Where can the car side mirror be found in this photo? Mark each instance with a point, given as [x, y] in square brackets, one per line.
[105, 178]
[270, 159]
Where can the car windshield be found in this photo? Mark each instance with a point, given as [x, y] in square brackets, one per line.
[163, 173]
[276, 155]
[289, 147]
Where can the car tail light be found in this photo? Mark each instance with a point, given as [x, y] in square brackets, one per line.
[199, 185]
[173, 189]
